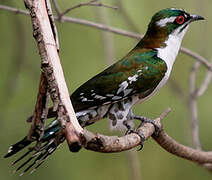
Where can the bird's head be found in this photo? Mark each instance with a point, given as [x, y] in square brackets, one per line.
[165, 23]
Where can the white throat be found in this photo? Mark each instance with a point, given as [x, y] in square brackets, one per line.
[170, 52]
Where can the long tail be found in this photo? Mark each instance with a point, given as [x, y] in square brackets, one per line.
[36, 157]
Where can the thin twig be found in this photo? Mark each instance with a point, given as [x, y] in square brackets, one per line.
[113, 30]
[56, 7]
[126, 16]
[108, 43]
[196, 56]
[206, 82]
[90, 3]
[14, 10]
[52, 22]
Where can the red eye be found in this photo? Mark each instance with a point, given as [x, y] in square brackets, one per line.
[180, 19]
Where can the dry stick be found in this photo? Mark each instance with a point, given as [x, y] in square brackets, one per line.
[203, 87]
[90, 3]
[107, 38]
[193, 107]
[199, 58]
[50, 64]
[110, 144]
[52, 22]
[194, 94]
[56, 7]
[40, 113]
[134, 164]
[180, 150]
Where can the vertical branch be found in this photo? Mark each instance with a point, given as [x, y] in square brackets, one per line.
[41, 111]
[50, 64]
[193, 107]
[108, 43]
[134, 164]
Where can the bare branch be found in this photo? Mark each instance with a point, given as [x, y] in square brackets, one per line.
[196, 56]
[14, 10]
[41, 110]
[90, 3]
[134, 164]
[109, 144]
[116, 31]
[56, 7]
[52, 69]
[51, 19]
[203, 87]
[193, 107]
[180, 150]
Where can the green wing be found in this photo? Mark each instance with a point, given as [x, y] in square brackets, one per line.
[138, 73]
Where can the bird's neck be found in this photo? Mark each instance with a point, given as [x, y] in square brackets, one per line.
[170, 51]
[154, 38]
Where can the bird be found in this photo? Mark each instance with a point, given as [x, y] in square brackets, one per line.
[112, 93]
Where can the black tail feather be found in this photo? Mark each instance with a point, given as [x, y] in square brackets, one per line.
[42, 156]
[22, 157]
[17, 147]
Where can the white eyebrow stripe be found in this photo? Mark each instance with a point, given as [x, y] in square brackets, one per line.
[164, 21]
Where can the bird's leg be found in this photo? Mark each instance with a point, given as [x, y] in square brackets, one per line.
[131, 130]
[147, 120]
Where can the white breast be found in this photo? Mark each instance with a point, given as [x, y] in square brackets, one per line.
[168, 54]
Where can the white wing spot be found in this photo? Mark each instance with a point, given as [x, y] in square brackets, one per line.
[99, 97]
[81, 94]
[132, 78]
[116, 97]
[109, 95]
[122, 86]
[84, 99]
[10, 149]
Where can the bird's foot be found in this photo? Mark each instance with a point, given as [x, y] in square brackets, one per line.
[141, 135]
[147, 120]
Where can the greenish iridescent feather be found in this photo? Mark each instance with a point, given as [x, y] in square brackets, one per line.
[152, 69]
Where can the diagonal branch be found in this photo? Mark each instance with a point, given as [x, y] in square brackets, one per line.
[90, 3]
[186, 51]
[50, 64]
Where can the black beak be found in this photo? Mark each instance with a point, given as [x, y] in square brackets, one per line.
[195, 17]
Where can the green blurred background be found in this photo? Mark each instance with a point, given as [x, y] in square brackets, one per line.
[82, 55]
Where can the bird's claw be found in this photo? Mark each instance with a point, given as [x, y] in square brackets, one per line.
[157, 129]
[141, 135]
